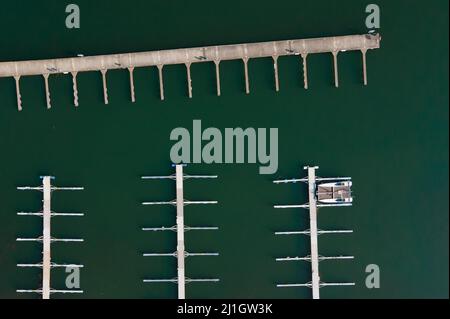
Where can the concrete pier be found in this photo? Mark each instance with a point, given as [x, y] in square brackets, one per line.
[189, 80]
[244, 52]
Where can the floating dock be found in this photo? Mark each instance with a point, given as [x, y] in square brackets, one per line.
[47, 239]
[313, 230]
[188, 56]
[180, 228]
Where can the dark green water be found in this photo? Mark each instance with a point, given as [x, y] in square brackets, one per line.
[391, 137]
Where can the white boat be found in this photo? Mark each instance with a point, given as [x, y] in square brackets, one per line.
[335, 192]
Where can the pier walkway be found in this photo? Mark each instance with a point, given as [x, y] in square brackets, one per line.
[187, 56]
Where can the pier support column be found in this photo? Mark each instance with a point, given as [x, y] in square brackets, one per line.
[105, 88]
[364, 51]
[133, 98]
[161, 82]
[75, 88]
[305, 70]
[217, 62]
[189, 80]
[336, 72]
[247, 85]
[47, 91]
[275, 69]
[19, 97]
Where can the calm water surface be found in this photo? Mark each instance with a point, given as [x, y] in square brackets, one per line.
[391, 137]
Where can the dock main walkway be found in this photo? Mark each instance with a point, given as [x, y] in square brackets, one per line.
[188, 56]
[180, 233]
[180, 228]
[47, 239]
[313, 232]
